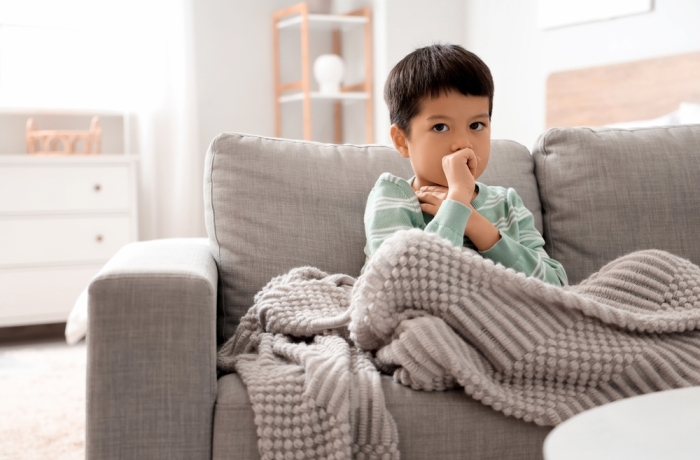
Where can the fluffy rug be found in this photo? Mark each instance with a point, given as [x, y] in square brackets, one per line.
[42, 401]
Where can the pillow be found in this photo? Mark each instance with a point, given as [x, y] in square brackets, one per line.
[689, 113]
[664, 120]
[77, 323]
[608, 192]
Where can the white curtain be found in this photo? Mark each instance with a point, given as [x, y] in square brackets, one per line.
[166, 132]
[134, 56]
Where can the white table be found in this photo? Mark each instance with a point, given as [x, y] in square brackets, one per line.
[658, 426]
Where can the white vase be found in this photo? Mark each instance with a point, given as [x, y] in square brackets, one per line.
[319, 6]
[344, 6]
[329, 70]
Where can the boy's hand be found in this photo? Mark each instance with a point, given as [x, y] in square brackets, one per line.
[459, 168]
[431, 197]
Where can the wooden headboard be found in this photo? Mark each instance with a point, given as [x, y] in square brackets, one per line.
[617, 93]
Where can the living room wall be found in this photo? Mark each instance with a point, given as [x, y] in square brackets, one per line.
[521, 56]
[233, 47]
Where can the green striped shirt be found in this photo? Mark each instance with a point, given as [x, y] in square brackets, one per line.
[392, 205]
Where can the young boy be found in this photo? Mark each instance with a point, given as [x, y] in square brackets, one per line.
[440, 99]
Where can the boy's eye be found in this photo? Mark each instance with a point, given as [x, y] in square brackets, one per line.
[440, 128]
[477, 126]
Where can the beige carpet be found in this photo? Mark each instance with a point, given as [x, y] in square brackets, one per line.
[42, 401]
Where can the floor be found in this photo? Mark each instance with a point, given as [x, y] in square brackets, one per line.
[42, 394]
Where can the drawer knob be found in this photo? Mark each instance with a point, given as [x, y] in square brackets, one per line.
[98, 187]
[99, 238]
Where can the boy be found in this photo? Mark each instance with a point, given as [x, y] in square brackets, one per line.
[440, 99]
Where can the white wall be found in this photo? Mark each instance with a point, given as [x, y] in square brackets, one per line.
[233, 48]
[505, 35]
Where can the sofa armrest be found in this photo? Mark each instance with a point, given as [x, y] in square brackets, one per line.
[151, 374]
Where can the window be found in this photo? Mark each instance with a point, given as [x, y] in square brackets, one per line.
[78, 54]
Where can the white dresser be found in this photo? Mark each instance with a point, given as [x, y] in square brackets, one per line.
[61, 219]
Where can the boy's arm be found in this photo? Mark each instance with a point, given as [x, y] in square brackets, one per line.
[478, 229]
[453, 215]
[389, 209]
[449, 221]
[481, 231]
[524, 253]
[392, 205]
[521, 246]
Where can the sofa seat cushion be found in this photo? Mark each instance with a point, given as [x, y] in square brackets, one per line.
[272, 205]
[609, 192]
[432, 425]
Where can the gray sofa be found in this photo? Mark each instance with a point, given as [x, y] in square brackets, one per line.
[159, 309]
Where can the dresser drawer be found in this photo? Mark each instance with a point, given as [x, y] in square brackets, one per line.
[41, 295]
[31, 241]
[56, 188]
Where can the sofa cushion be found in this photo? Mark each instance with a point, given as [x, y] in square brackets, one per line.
[608, 192]
[273, 204]
[442, 424]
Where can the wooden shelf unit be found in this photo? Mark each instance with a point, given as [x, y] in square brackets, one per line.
[298, 15]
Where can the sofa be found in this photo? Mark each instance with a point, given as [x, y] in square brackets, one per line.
[159, 310]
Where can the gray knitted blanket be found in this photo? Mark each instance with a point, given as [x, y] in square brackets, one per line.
[439, 317]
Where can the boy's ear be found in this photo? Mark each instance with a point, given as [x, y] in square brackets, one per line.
[398, 136]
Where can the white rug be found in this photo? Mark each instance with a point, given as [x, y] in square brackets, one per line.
[42, 401]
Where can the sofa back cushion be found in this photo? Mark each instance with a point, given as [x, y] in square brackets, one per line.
[608, 192]
[273, 204]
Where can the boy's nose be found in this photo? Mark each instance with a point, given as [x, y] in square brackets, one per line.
[461, 144]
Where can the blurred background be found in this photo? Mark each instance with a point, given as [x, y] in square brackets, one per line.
[165, 77]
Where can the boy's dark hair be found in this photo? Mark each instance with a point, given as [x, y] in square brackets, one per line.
[432, 71]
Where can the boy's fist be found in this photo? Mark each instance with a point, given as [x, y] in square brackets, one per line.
[460, 168]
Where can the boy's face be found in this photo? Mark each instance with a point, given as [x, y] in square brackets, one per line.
[443, 126]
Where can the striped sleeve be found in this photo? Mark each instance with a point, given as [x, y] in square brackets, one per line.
[392, 205]
[390, 208]
[521, 246]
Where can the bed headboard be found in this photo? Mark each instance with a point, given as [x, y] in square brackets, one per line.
[624, 92]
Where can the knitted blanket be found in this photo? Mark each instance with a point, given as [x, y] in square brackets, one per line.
[314, 394]
[439, 317]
